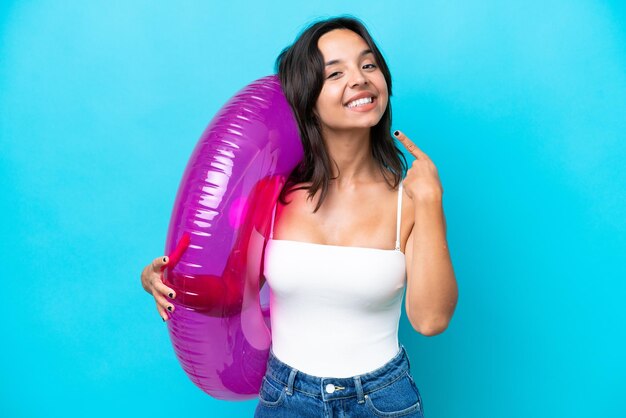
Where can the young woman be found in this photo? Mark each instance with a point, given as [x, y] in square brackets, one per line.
[349, 235]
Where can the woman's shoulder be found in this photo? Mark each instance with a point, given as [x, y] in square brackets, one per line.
[296, 195]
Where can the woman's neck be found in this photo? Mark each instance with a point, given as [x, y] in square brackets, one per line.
[351, 157]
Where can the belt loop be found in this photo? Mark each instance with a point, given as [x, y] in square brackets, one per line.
[406, 355]
[292, 377]
[359, 389]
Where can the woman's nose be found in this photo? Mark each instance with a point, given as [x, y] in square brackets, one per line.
[357, 78]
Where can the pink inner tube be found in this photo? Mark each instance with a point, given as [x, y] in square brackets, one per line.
[220, 327]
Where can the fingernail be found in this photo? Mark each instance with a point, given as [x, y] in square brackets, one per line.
[396, 133]
[165, 259]
[171, 295]
[163, 319]
[169, 308]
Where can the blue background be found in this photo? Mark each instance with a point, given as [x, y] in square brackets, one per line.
[522, 107]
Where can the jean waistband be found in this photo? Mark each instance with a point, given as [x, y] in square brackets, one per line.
[328, 388]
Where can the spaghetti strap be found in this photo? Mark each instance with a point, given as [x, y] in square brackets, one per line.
[272, 224]
[398, 216]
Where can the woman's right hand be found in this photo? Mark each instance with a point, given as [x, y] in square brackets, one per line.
[152, 282]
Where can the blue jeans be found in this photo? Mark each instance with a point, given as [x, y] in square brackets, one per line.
[388, 391]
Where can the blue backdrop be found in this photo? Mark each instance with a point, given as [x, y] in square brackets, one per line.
[522, 107]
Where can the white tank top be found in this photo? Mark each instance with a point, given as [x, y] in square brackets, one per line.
[334, 309]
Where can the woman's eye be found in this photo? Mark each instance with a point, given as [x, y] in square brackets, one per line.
[338, 72]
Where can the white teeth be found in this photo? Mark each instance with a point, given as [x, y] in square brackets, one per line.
[359, 102]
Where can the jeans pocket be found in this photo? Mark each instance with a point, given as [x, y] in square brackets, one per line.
[397, 399]
[417, 391]
[271, 393]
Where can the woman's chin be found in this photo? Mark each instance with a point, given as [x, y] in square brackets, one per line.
[350, 125]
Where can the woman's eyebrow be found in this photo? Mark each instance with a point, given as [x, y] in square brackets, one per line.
[364, 52]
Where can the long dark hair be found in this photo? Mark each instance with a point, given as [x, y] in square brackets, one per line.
[300, 68]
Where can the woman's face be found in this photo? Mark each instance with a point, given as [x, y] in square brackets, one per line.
[351, 72]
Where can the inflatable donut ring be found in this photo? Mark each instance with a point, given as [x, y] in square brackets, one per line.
[220, 327]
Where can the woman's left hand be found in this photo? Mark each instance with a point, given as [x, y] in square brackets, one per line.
[422, 179]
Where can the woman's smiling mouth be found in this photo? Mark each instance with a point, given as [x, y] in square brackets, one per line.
[362, 105]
